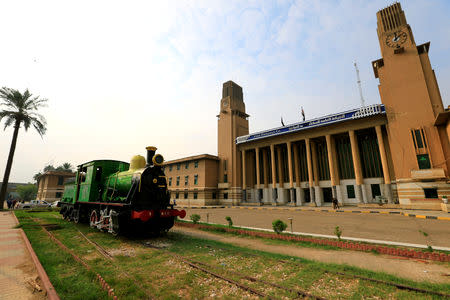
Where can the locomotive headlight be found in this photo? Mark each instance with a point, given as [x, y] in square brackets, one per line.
[158, 160]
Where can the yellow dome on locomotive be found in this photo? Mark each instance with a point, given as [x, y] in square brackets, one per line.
[137, 162]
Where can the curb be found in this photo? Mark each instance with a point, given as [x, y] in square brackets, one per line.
[325, 210]
[442, 257]
[51, 293]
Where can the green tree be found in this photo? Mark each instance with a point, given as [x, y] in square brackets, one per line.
[67, 167]
[49, 168]
[19, 109]
[27, 192]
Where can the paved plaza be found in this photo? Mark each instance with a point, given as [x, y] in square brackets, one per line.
[377, 226]
[18, 274]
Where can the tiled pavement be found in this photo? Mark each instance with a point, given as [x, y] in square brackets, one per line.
[16, 265]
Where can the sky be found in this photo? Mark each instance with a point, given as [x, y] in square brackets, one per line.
[123, 75]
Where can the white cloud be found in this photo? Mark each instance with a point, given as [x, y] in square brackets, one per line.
[124, 75]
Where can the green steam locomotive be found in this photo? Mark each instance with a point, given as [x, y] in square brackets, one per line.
[115, 196]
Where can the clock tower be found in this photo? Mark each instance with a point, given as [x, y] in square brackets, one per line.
[410, 93]
[232, 122]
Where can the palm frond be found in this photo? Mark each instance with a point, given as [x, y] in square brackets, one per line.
[22, 108]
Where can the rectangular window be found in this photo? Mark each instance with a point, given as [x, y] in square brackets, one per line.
[225, 165]
[170, 168]
[170, 181]
[185, 195]
[350, 191]
[225, 178]
[178, 166]
[58, 195]
[424, 161]
[178, 180]
[225, 195]
[98, 174]
[431, 193]
[195, 179]
[186, 166]
[186, 180]
[418, 135]
[214, 195]
[177, 195]
[375, 190]
[195, 195]
[83, 174]
[196, 164]
[60, 180]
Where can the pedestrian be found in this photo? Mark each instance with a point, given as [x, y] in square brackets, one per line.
[14, 202]
[9, 202]
[335, 203]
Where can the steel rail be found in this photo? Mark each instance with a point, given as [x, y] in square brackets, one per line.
[397, 285]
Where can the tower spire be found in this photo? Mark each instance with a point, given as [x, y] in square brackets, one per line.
[359, 85]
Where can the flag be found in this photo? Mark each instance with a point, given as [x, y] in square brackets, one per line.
[282, 123]
[303, 114]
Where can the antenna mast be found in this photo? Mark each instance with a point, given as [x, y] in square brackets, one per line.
[359, 85]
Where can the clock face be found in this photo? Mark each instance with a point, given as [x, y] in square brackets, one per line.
[394, 40]
[225, 103]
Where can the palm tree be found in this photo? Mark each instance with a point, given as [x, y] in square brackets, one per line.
[19, 109]
[67, 167]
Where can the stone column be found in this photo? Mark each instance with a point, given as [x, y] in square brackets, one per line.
[274, 174]
[315, 164]
[334, 174]
[244, 183]
[291, 174]
[266, 196]
[310, 171]
[359, 188]
[297, 176]
[258, 179]
[281, 195]
[384, 164]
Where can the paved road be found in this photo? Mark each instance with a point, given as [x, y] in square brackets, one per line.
[394, 228]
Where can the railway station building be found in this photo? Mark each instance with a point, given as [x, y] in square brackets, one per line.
[396, 152]
[51, 185]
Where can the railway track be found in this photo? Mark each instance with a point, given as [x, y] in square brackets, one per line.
[212, 270]
[397, 285]
[209, 269]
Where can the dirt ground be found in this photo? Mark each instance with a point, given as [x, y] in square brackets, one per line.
[418, 270]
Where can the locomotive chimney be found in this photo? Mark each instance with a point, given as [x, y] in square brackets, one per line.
[150, 153]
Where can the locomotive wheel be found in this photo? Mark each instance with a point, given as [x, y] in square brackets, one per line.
[68, 214]
[113, 223]
[93, 219]
[76, 216]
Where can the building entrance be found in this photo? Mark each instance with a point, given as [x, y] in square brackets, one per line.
[307, 195]
[327, 195]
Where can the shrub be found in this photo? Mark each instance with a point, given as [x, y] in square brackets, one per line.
[279, 226]
[195, 218]
[338, 232]
[230, 222]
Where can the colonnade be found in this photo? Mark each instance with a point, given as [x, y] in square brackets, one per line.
[279, 194]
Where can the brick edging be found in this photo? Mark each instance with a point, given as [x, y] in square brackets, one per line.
[51, 293]
[324, 210]
[339, 244]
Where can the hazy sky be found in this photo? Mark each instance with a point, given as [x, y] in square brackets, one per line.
[122, 75]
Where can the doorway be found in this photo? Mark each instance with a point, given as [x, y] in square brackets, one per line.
[327, 195]
[307, 195]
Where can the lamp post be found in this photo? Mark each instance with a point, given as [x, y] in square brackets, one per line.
[290, 221]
